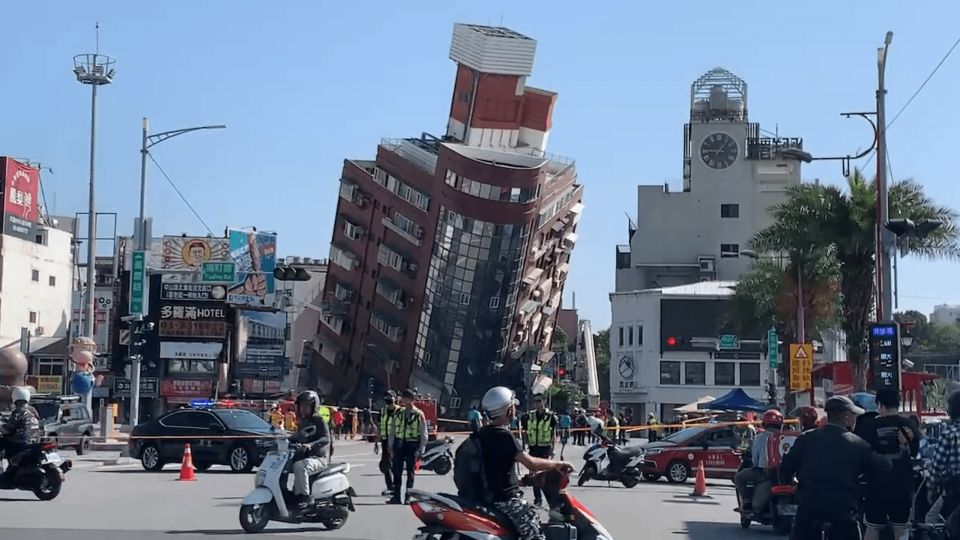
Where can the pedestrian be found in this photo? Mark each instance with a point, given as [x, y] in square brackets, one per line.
[354, 423]
[944, 491]
[541, 430]
[474, 420]
[613, 427]
[565, 424]
[408, 441]
[290, 420]
[653, 429]
[580, 438]
[623, 425]
[337, 416]
[276, 417]
[387, 434]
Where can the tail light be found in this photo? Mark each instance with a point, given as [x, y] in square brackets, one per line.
[48, 446]
[427, 511]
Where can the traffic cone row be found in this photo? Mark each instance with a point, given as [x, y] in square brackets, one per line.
[188, 472]
[700, 486]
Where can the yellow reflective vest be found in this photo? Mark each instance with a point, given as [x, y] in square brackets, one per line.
[540, 428]
[387, 420]
[324, 413]
[408, 424]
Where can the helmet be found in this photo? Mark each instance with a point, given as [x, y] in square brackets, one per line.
[20, 394]
[772, 418]
[498, 400]
[309, 396]
[808, 417]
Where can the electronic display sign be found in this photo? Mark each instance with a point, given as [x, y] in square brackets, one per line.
[884, 340]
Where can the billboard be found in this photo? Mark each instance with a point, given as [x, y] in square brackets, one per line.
[193, 321]
[255, 254]
[21, 185]
[263, 345]
[201, 292]
[189, 253]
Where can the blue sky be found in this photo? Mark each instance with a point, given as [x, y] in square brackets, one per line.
[304, 86]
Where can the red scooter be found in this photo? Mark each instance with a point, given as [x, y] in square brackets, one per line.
[444, 515]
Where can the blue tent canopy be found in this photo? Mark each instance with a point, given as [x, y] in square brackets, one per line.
[735, 400]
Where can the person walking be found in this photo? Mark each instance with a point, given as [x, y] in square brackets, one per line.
[541, 430]
[408, 441]
[387, 425]
[474, 419]
[276, 417]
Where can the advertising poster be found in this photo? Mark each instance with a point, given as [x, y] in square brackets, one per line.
[263, 345]
[255, 254]
[193, 321]
[189, 253]
[21, 184]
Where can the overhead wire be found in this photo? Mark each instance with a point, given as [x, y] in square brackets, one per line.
[884, 129]
[180, 193]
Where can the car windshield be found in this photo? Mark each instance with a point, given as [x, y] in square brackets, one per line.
[685, 434]
[243, 420]
[46, 410]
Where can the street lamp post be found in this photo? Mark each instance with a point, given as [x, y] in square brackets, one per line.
[885, 239]
[147, 142]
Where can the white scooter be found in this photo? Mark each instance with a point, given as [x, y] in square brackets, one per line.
[271, 498]
[438, 456]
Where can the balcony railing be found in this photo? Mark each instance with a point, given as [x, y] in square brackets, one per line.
[410, 236]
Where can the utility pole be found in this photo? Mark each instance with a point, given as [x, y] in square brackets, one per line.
[886, 240]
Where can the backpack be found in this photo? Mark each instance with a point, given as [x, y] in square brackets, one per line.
[468, 471]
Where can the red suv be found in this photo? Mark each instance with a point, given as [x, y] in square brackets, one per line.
[676, 456]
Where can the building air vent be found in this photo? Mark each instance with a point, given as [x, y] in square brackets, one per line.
[706, 264]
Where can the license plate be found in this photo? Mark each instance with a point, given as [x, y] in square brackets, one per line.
[787, 509]
[53, 457]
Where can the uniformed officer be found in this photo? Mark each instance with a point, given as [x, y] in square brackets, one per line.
[613, 426]
[276, 417]
[387, 416]
[541, 429]
[324, 412]
[408, 439]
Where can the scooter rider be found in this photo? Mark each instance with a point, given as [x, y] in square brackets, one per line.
[828, 462]
[757, 475]
[808, 418]
[501, 452]
[312, 440]
[22, 428]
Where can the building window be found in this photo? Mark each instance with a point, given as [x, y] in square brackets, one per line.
[389, 257]
[53, 281]
[192, 366]
[729, 251]
[352, 231]
[33, 317]
[35, 275]
[464, 299]
[725, 374]
[630, 336]
[640, 335]
[695, 373]
[750, 374]
[729, 210]
[621, 336]
[494, 302]
[669, 372]
[46, 367]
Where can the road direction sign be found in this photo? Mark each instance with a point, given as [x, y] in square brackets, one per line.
[773, 348]
[219, 272]
[138, 283]
[728, 342]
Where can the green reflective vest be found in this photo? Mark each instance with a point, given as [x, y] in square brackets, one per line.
[408, 424]
[324, 413]
[387, 417]
[540, 428]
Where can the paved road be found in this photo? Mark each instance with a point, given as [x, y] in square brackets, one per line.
[125, 502]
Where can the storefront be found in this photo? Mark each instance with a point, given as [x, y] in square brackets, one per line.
[177, 392]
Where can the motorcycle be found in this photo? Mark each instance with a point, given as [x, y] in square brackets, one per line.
[778, 513]
[438, 456]
[450, 516]
[271, 499]
[39, 469]
[624, 463]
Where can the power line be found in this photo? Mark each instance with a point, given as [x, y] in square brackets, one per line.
[182, 197]
[914, 96]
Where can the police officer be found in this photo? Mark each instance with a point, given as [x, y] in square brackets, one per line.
[324, 412]
[387, 416]
[613, 427]
[408, 439]
[541, 429]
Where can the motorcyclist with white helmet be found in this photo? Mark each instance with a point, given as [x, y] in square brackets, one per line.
[22, 428]
[501, 451]
[312, 440]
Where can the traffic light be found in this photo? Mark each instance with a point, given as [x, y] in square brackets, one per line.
[561, 372]
[288, 273]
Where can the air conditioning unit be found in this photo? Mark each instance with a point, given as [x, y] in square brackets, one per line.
[419, 232]
[707, 264]
[413, 267]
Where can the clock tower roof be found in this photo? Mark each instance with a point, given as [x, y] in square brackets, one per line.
[718, 96]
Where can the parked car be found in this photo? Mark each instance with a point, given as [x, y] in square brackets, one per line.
[65, 420]
[678, 455]
[237, 438]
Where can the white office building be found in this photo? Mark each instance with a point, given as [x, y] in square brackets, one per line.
[945, 314]
[732, 173]
[663, 350]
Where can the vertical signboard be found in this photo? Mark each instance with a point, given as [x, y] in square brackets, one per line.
[255, 254]
[20, 188]
[773, 348]
[801, 366]
[884, 341]
[263, 345]
[138, 283]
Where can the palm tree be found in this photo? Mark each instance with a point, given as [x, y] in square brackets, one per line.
[817, 221]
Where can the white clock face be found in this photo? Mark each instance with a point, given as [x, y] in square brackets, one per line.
[719, 151]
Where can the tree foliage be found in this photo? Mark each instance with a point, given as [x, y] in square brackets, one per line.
[829, 234]
[931, 337]
[565, 395]
[559, 340]
[601, 348]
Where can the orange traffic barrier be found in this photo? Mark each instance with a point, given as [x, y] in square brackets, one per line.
[187, 471]
[700, 486]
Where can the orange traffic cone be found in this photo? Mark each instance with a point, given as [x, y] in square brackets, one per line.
[187, 471]
[700, 486]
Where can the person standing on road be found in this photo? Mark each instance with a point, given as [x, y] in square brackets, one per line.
[565, 424]
[474, 420]
[890, 497]
[944, 491]
[290, 420]
[408, 441]
[541, 430]
[387, 425]
[828, 463]
[653, 434]
[580, 437]
[276, 417]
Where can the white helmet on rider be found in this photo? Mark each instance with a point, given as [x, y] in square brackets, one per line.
[497, 401]
[20, 394]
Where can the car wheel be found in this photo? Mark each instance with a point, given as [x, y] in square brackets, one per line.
[150, 458]
[651, 477]
[677, 472]
[240, 460]
[202, 465]
[84, 445]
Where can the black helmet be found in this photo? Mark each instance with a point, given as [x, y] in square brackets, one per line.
[309, 396]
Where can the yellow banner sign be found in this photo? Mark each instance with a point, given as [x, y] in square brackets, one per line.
[47, 384]
[801, 366]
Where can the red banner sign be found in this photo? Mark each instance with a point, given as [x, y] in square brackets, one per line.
[21, 185]
[186, 388]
